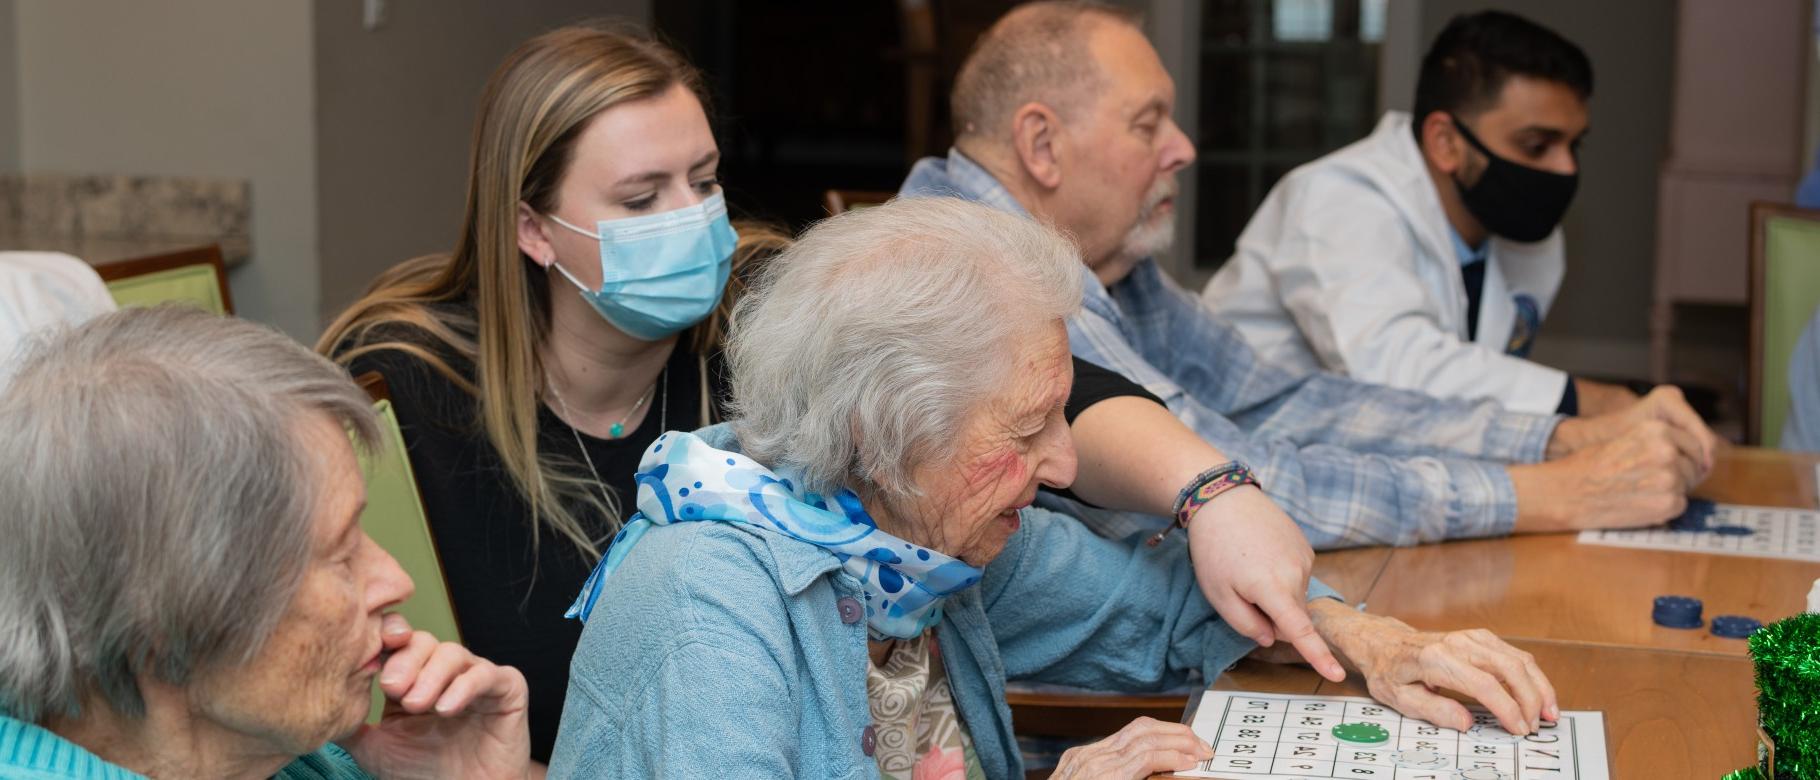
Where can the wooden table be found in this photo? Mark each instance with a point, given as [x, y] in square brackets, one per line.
[1553, 587]
[1751, 475]
[1676, 703]
[1352, 572]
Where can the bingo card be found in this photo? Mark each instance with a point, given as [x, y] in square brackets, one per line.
[1773, 532]
[1270, 736]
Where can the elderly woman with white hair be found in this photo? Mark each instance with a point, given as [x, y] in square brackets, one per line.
[840, 582]
[185, 589]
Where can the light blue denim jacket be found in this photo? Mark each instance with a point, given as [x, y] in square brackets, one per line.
[719, 650]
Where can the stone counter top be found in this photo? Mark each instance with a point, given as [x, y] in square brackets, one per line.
[101, 251]
[106, 218]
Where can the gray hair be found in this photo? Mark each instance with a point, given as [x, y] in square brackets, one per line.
[154, 500]
[863, 347]
[1036, 52]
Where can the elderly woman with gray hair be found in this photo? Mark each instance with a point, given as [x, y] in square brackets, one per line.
[185, 589]
[840, 583]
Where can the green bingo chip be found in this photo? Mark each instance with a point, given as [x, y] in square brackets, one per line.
[1361, 733]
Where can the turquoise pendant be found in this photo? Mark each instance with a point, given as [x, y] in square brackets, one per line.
[618, 429]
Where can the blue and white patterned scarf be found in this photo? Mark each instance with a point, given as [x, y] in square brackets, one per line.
[683, 479]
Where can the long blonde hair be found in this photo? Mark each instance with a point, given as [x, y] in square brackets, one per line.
[534, 107]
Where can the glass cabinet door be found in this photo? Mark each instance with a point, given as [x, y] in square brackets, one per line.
[1282, 82]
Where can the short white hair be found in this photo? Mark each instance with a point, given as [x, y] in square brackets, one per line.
[863, 347]
[155, 502]
[1037, 52]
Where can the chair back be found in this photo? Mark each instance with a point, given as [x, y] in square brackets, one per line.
[196, 276]
[837, 201]
[1057, 711]
[1784, 292]
[395, 518]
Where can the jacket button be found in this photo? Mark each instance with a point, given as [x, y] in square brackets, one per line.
[850, 610]
[868, 740]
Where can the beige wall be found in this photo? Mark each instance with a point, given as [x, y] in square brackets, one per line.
[395, 111]
[9, 88]
[217, 88]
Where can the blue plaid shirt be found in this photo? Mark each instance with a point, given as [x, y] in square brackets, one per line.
[1353, 463]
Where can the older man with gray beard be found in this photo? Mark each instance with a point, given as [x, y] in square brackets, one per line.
[1062, 112]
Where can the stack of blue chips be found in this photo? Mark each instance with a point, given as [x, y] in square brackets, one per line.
[1735, 626]
[1694, 518]
[1677, 612]
[1697, 518]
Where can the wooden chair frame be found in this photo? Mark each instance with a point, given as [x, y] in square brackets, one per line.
[1761, 212]
[837, 201]
[1088, 715]
[375, 386]
[182, 258]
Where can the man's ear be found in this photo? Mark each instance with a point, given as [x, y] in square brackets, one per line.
[533, 240]
[1036, 137]
[1441, 143]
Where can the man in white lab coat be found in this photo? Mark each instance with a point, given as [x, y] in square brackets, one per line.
[1426, 255]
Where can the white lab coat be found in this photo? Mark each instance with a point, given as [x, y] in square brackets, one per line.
[1348, 266]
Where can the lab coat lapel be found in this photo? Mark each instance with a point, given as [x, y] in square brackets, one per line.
[1404, 176]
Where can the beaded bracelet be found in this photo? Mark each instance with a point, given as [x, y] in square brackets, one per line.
[1209, 485]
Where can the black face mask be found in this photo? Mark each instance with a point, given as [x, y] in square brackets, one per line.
[1514, 200]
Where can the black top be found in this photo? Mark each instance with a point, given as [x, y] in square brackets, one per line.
[509, 600]
[1473, 274]
[509, 595]
[1093, 384]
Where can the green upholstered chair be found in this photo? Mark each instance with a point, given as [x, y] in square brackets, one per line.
[195, 276]
[1784, 292]
[394, 517]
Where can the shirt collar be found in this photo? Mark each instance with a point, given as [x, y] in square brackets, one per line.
[1467, 255]
[958, 175]
[26, 746]
[974, 180]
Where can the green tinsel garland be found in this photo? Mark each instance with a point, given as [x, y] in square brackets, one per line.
[1787, 657]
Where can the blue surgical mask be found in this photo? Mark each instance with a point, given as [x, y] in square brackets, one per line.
[662, 273]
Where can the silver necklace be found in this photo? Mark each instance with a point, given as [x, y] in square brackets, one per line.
[663, 422]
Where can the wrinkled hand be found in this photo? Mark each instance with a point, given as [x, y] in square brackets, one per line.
[1665, 405]
[1600, 398]
[1253, 563]
[449, 713]
[1640, 478]
[1402, 667]
[1142, 748]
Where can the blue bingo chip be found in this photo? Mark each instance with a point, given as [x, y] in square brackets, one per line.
[1694, 518]
[1677, 612]
[1732, 530]
[1735, 626]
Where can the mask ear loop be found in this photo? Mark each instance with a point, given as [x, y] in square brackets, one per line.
[1472, 142]
[564, 271]
[565, 274]
[1466, 133]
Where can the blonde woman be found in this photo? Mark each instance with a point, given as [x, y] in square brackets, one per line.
[574, 321]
